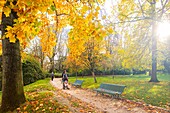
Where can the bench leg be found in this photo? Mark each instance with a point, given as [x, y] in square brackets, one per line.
[117, 96]
[96, 93]
[112, 97]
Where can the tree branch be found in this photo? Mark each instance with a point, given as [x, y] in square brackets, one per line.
[61, 14]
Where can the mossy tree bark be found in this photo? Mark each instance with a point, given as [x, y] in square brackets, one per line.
[12, 80]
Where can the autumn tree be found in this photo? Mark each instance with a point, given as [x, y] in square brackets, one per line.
[86, 53]
[151, 12]
[90, 38]
[91, 55]
[75, 46]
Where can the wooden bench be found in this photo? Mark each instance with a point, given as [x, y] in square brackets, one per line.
[114, 90]
[78, 83]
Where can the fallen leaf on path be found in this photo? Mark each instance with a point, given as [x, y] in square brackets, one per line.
[18, 109]
[37, 108]
[41, 105]
[25, 107]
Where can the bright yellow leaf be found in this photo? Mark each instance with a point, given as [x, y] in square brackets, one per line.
[12, 39]
[7, 11]
[50, 12]
[2, 3]
[98, 8]
[37, 108]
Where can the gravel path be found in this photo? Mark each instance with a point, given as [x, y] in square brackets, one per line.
[102, 103]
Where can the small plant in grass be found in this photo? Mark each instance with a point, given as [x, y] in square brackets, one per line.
[75, 104]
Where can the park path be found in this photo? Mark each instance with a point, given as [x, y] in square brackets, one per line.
[102, 104]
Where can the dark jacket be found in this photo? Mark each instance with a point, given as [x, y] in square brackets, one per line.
[64, 77]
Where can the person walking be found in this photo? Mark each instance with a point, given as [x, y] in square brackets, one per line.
[52, 76]
[65, 80]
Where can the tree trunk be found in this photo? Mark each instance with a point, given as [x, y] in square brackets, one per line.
[42, 61]
[154, 55]
[76, 72]
[150, 72]
[52, 64]
[95, 80]
[154, 46]
[42, 58]
[12, 80]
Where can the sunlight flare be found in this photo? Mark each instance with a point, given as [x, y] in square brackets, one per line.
[163, 30]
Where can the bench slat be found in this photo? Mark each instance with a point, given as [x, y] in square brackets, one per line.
[114, 87]
[110, 89]
[78, 83]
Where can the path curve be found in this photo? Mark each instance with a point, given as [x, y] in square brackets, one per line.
[103, 103]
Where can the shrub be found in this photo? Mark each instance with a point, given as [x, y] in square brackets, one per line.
[31, 70]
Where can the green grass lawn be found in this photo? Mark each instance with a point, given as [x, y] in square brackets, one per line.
[138, 88]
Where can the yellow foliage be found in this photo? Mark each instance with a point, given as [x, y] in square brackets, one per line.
[98, 8]
[125, 7]
[36, 16]
[6, 11]
[2, 3]
[50, 11]
[85, 33]
[104, 17]
[1, 7]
